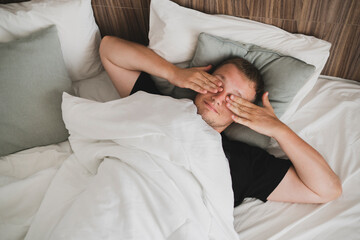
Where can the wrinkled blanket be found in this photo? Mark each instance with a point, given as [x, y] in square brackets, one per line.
[143, 167]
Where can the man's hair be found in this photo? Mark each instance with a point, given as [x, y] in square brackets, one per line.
[250, 71]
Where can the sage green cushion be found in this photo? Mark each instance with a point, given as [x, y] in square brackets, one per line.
[283, 76]
[32, 79]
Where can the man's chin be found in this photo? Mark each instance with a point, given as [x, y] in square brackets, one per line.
[209, 121]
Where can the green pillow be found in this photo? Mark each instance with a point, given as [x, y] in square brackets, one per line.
[32, 79]
[283, 76]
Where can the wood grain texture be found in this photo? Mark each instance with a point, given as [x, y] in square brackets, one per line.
[336, 21]
[126, 18]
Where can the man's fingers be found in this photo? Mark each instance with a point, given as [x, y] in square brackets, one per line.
[207, 82]
[241, 101]
[238, 110]
[238, 102]
[197, 88]
[207, 85]
[212, 79]
[199, 77]
[266, 101]
[200, 86]
[240, 120]
[206, 68]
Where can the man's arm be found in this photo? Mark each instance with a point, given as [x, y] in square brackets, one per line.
[124, 60]
[310, 180]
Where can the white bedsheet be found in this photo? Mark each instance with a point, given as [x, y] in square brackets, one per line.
[328, 118]
[138, 174]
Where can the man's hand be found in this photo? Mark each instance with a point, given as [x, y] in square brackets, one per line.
[196, 79]
[260, 119]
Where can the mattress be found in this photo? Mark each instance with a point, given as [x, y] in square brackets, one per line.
[327, 118]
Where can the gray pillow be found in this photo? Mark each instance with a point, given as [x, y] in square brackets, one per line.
[32, 79]
[283, 76]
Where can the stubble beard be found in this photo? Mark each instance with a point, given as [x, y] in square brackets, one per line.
[209, 120]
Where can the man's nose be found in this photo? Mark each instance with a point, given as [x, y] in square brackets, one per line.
[219, 98]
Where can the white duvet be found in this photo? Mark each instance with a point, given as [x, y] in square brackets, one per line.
[144, 167]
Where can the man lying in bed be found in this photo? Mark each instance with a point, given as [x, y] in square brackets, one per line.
[223, 97]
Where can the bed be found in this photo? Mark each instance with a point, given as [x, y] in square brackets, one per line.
[50, 190]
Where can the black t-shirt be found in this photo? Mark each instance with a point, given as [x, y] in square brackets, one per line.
[254, 172]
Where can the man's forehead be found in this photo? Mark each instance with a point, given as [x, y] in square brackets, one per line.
[237, 84]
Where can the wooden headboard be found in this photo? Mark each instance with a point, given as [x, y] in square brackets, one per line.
[336, 21]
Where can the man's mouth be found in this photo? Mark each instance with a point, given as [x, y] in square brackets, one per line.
[211, 107]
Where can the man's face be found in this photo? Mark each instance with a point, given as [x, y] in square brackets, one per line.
[212, 106]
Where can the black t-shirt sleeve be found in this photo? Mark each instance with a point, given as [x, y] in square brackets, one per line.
[145, 83]
[254, 172]
[268, 171]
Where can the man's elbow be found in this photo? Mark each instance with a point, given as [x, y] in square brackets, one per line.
[333, 192]
[336, 193]
[104, 45]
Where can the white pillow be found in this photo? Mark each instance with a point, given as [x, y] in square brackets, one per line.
[78, 33]
[174, 32]
[98, 88]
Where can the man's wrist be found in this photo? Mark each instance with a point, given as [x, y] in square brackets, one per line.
[281, 132]
[171, 73]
